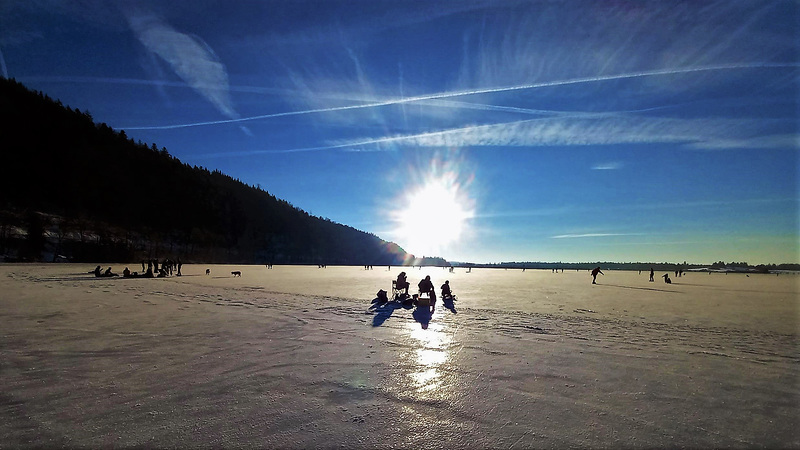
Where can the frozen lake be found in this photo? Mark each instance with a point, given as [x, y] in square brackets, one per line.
[298, 357]
[701, 299]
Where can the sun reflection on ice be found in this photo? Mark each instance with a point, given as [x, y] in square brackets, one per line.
[431, 357]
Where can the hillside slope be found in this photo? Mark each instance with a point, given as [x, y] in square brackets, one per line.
[78, 190]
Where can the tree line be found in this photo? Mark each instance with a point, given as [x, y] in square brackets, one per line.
[81, 191]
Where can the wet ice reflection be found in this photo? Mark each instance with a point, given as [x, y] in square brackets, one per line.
[431, 356]
[426, 380]
[428, 357]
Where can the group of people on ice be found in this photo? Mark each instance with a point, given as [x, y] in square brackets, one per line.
[427, 292]
[168, 267]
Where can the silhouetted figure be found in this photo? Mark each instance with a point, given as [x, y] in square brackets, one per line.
[108, 273]
[426, 286]
[666, 278]
[448, 303]
[126, 273]
[594, 274]
[652, 274]
[180, 264]
[208, 271]
[402, 282]
[97, 271]
[446, 292]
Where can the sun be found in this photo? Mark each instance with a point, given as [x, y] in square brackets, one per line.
[434, 216]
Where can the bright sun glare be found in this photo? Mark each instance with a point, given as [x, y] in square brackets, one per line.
[434, 216]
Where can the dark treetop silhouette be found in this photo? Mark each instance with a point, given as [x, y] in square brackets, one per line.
[87, 192]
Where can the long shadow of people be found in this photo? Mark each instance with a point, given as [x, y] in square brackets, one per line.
[423, 316]
[383, 311]
[449, 304]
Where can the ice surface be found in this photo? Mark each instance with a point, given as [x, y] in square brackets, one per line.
[300, 357]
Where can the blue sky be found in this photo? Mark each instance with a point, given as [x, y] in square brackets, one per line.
[480, 131]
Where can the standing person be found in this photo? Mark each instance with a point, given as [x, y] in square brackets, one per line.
[594, 274]
[652, 274]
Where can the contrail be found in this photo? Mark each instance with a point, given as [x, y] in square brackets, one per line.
[364, 142]
[582, 210]
[649, 73]
[145, 82]
[133, 81]
[573, 236]
[675, 130]
[540, 112]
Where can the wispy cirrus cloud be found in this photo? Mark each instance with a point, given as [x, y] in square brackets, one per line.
[563, 131]
[517, 47]
[188, 56]
[699, 133]
[787, 141]
[608, 166]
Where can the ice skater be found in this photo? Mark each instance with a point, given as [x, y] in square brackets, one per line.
[594, 274]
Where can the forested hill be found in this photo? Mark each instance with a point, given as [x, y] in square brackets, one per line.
[72, 189]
